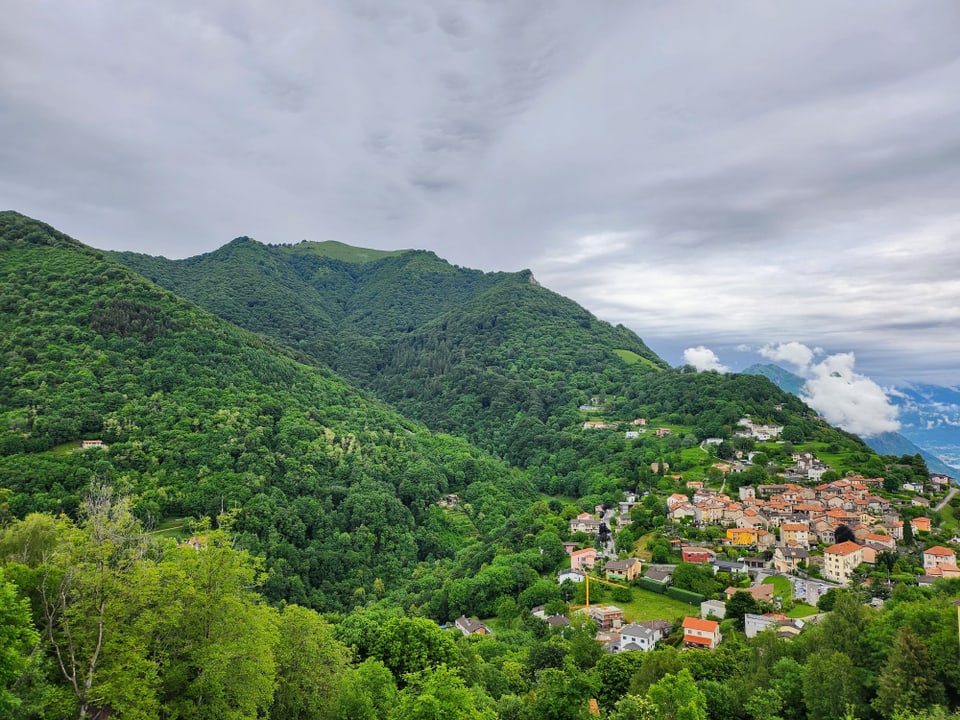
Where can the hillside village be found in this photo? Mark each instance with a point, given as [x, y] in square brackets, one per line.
[816, 535]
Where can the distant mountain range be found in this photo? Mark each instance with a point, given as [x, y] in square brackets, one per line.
[929, 417]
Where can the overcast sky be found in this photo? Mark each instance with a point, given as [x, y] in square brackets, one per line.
[725, 175]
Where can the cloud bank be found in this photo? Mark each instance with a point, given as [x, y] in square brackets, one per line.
[703, 358]
[848, 399]
[729, 172]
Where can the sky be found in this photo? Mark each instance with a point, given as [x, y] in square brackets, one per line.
[719, 177]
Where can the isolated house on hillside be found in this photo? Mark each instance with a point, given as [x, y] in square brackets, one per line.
[470, 626]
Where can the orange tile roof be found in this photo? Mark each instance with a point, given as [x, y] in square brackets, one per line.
[939, 550]
[844, 548]
[692, 623]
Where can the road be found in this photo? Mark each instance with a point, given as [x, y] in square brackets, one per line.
[948, 498]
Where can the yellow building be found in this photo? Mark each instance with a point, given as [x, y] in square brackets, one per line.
[742, 537]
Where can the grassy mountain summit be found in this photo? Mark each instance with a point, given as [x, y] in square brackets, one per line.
[198, 415]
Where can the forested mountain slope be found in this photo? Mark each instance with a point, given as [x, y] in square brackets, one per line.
[331, 485]
[462, 350]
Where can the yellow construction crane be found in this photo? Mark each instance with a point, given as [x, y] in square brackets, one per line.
[587, 579]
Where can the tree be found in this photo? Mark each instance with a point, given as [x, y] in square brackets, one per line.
[368, 693]
[906, 683]
[676, 697]
[216, 640]
[90, 596]
[634, 707]
[409, 645]
[311, 666]
[831, 682]
[438, 693]
[697, 578]
[17, 639]
[739, 605]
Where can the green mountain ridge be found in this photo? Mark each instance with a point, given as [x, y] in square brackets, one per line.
[461, 350]
[491, 357]
[329, 484]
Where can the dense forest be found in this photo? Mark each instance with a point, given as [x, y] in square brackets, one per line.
[199, 416]
[134, 626]
[250, 535]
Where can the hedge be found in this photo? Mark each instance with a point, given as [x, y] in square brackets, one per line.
[691, 598]
[647, 583]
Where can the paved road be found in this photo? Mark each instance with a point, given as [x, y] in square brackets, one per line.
[948, 498]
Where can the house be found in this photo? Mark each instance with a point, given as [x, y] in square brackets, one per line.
[471, 626]
[741, 537]
[586, 523]
[660, 576]
[840, 560]
[663, 432]
[760, 593]
[87, 444]
[571, 575]
[692, 554]
[795, 534]
[754, 624]
[789, 559]
[713, 609]
[581, 559]
[569, 547]
[937, 556]
[699, 633]
[921, 524]
[639, 421]
[627, 569]
[637, 637]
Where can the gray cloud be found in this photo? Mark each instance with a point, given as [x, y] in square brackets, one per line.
[712, 174]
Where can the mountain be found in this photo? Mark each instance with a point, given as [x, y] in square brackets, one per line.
[780, 377]
[930, 417]
[461, 350]
[926, 414]
[199, 417]
[491, 357]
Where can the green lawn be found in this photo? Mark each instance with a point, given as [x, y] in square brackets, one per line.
[802, 610]
[631, 358]
[170, 528]
[782, 586]
[648, 605]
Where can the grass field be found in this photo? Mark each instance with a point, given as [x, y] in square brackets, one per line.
[802, 610]
[648, 605]
[782, 586]
[631, 358]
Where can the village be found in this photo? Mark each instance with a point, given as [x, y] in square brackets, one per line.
[813, 535]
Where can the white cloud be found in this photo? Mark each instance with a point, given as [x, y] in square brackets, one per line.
[703, 358]
[794, 353]
[848, 399]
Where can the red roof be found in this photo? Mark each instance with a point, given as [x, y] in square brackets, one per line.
[692, 623]
[697, 640]
[939, 550]
[844, 548]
